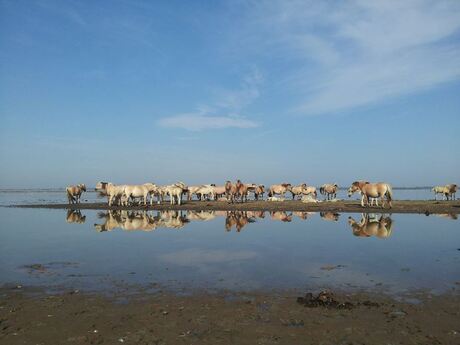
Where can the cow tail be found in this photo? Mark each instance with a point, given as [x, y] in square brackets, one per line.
[389, 192]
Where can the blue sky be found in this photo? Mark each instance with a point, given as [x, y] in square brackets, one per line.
[205, 91]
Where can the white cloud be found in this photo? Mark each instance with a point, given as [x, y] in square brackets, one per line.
[361, 52]
[235, 100]
[230, 103]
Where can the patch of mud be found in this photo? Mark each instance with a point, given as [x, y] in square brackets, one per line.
[428, 207]
[49, 268]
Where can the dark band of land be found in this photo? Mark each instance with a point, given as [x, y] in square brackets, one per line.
[399, 206]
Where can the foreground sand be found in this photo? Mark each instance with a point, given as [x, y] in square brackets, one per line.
[403, 206]
[31, 317]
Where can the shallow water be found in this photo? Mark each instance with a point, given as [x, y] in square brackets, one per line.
[43, 196]
[58, 196]
[180, 251]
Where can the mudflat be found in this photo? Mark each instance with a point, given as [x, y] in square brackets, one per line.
[399, 206]
[33, 317]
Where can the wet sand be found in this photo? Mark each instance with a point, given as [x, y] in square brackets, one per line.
[399, 206]
[30, 316]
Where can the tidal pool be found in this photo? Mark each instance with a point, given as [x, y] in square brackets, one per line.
[237, 251]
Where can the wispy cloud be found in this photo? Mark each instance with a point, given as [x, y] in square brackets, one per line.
[224, 113]
[198, 122]
[67, 10]
[356, 53]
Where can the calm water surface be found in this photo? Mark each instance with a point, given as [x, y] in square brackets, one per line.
[237, 251]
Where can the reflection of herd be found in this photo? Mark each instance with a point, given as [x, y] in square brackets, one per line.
[140, 220]
[370, 225]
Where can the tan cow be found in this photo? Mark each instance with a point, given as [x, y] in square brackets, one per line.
[74, 193]
[371, 190]
[259, 192]
[241, 191]
[298, 190]
[329, 190]
[175, 192]
[451, 191]
[440, 190]
[230, 191]
[219, 191]
[280, 189]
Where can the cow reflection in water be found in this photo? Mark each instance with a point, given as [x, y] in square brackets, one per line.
[281, 216]
[75, 216]
[201, 215]
[140, 220]
[303, 215]
[452, 216]
[330, 216]
[239, 219]
[371, 225]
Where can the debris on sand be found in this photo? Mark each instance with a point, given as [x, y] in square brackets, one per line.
[370, 304]
[275, 199]
[397, 313]
[324, 299]
[292, 323]
[35, 268]
[331, 267]
[309, 198]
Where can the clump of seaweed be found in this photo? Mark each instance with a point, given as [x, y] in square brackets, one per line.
[324, 299]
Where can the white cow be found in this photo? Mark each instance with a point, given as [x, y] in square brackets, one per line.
[138, 191]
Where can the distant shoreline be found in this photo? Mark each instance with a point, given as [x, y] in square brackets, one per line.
[399, 206]
[62, 190]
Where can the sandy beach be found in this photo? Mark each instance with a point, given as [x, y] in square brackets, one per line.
[29, 316]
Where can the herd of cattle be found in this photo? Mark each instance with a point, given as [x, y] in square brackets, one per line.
[370, 224]
[125, 195]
